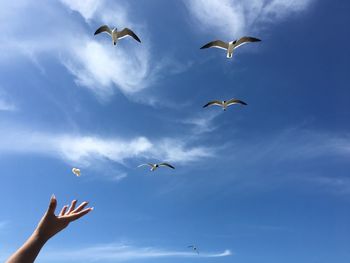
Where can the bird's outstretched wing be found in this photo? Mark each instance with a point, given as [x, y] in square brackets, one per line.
[235, 101]
[217, 44]
[128, 32]
[214, 102]
[145, 164]
[105, 29]
[166, 164]
[245, 40]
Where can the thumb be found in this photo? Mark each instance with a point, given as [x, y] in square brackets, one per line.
[52, 205]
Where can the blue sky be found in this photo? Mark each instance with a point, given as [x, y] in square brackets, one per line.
[267, 182]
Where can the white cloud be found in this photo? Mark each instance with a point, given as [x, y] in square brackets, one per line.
[203, 122]
[110, 13]
[93, 61]
[86, 8]
[231, 18]
[119, 177]
[102, 67]
[120, 252]
[82, 150]
[176, 150]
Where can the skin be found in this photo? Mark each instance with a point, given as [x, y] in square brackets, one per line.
[49, 225]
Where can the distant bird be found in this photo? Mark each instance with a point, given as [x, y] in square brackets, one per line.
[76, 171]
[225, 103]
[116, 35]
[194, 248]
[154, 166]
[230, 46]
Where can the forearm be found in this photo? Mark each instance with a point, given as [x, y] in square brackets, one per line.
[29, 251]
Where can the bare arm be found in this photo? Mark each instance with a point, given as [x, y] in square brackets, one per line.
[48, 226]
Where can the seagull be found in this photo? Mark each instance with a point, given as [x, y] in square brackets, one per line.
[230, 46]
[195, 249]
[115, 34]
[154, 166]
[225, 103]
[76, 171]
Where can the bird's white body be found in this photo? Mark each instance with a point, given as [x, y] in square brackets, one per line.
[230, 49]
[224, 103]
[154, 167]
[114, 36]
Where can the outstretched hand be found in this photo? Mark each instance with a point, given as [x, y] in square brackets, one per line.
[51, 224]
[48, 226]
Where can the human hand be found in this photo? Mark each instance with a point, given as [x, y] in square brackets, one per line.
[51, 224]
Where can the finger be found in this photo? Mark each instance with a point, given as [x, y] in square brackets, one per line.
[63, 211]
[52, 205]
[76, 216]
[81, 207]
[72, 206]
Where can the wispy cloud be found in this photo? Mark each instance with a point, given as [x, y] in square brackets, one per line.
[120, 252]
[93, 61]
[6, 104]
[101, 67]
[231, 18]
[203, 122]
[119, 177]
[82, 150]
[338, 185]
[297, 143]
[86, 8]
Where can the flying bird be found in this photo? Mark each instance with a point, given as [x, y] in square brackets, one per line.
[230, 46]
[154, 166]
[116, 35]
[194, 248]
[225, 103]
[76, 171]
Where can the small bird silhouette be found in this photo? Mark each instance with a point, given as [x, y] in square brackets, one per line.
[194, 248]
[154, 166]
[225, 103]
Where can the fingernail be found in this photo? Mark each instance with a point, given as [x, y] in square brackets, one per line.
[92, 208]
[53, 196]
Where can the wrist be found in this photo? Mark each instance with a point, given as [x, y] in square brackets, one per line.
[39, 237]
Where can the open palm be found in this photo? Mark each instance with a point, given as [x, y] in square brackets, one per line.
[51, 224]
